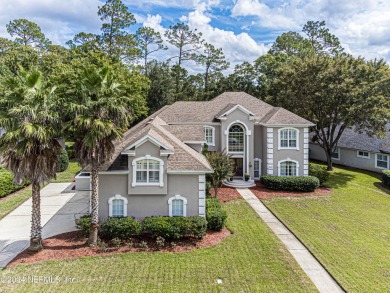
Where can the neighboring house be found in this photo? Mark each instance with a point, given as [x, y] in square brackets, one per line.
[358, 150]
[158, 168]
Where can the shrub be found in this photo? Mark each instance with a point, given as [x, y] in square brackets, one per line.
[63, 161]
[386, 178]
[291, 183]
[215, 215]
[84, 224]
[320, 172]
[121, 228]
[198, 226]
[174, 227]
[160, 242]
[7, 185]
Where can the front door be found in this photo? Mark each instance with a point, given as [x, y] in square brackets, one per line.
[238, 167]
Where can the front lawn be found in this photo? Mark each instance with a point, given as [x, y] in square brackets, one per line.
[251, 260]
[348, 231]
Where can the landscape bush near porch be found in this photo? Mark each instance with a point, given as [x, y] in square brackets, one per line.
[320, 172]
[291, 183]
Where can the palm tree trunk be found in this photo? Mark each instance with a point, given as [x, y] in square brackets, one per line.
[93, 235]
[36, 229]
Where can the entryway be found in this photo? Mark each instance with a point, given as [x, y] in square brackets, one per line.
[238, 167]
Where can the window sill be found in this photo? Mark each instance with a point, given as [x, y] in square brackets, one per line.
[147, 184]
[282, 148]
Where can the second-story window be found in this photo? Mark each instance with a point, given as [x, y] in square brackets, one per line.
[209, 136]
[148, 171]
[288, 138]
[236, 139]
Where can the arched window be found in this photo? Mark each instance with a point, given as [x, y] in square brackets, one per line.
[288, 138]
[148, 171]
[288, 168]
[177, 206]
[117, 206]
[236, 141]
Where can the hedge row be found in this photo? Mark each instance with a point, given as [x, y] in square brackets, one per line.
[386, 178]
[215, 215]
[320, 172]
[166, 227]
[7, 185]
[291, 183]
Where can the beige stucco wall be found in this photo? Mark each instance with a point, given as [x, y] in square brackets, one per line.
[145, 205]
[283, 154]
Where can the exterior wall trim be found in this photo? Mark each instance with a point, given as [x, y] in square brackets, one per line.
[202, 195]
[238, 106]
[270, 151]
[306, 151]
[119, 172]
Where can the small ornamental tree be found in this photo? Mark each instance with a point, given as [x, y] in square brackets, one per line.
[222, 166]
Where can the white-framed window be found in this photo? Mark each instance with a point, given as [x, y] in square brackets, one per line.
[256, 168]
[336, 154]
[177, 206]
[382, 161]
[148, 171]
[117, 206]
[288, 168]
[288, 138]
[236, 139]
[209, 135]
[363, 154]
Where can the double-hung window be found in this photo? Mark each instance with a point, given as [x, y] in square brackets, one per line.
[148, 171]
[288, 138]
[382, 161]
[177, 206]
[209, 135]
[256, 169]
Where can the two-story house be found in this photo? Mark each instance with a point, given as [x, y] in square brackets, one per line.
[158, 167]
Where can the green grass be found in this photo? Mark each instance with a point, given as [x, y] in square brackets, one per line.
[251, 260]
[348, 231]
[69, 174]
[9, 203]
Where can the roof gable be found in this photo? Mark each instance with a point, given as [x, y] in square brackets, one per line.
[230, 109]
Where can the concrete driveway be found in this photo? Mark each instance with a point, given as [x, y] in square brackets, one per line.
[60, 206]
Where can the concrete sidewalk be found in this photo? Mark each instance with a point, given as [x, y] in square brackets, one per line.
[60, 205]
[316, 272]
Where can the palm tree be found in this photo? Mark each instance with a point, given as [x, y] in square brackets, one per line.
[29, 147]
[99, 115]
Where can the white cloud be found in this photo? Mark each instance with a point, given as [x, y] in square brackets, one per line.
[361, 25]
[59, 20]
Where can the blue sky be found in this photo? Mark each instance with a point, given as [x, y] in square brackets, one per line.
[244, 29]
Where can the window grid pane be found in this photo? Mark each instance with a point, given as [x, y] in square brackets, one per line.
[208, 135]
[382, 161]
[177, 207]
[257, 169]
[288, 168]
[148, 171]
[236, 139]
[117, 208]
[288, 138]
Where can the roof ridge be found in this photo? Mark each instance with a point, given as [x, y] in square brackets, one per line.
[185, 147]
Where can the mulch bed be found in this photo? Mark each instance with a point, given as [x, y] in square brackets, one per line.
[226, 194]
[74, 245]
[263, 192]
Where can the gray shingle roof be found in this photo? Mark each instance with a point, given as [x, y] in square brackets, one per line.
[209, 110]
[361, 141]
[187, 132]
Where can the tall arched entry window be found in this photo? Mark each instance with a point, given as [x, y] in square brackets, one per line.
[236, 142]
